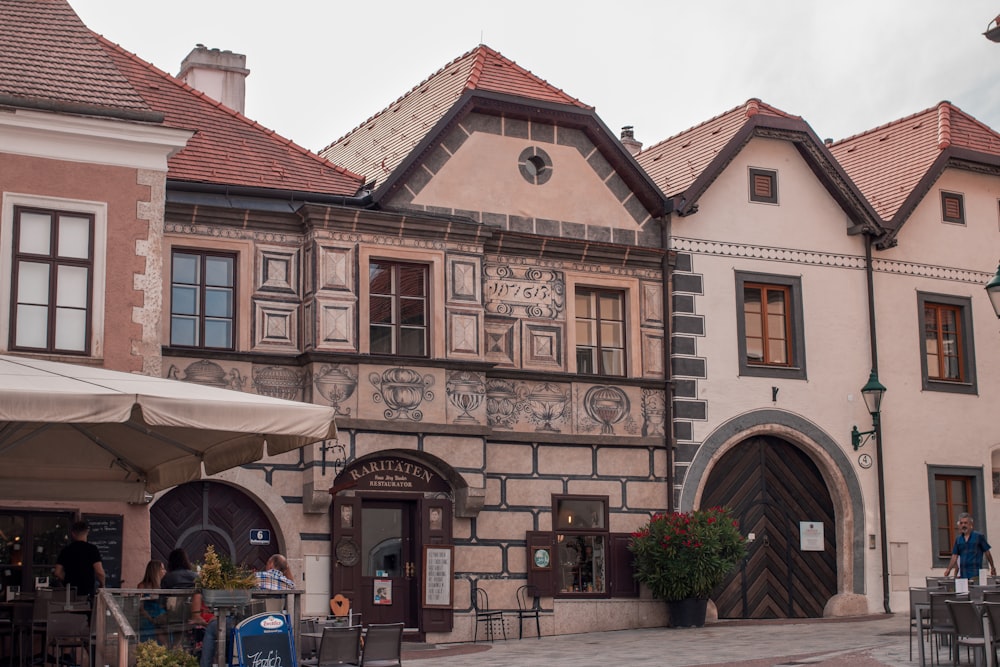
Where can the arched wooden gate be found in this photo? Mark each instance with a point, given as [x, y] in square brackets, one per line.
[197, 514]
[772, 486]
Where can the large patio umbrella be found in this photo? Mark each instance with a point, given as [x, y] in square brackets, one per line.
[78, 432]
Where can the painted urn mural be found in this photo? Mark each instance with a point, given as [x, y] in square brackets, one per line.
[402, 390]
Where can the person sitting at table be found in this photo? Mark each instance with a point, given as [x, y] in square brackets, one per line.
[151, 610]
[276, 575]
[179, 574]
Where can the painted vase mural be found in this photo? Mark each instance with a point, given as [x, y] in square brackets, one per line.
[607, 406]
[547, 403]
[336, 384]
[466, 392]
[503, 402]
[402, 390]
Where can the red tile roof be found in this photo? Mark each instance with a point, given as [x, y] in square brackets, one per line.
[48, 57]
[377, 146]
[228, 148]
[889, 161]
[676, 162]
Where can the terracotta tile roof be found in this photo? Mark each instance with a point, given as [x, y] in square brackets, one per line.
[228, 148]
[376, 147]
[889, 161]
[48, 56]
[676, 162]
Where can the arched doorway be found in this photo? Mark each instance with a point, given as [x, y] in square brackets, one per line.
[196, 514]
[773, 486]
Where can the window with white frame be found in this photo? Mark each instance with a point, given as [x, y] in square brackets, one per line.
[52, 280]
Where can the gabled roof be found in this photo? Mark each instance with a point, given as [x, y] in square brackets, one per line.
[376, 147]
[895, 164]
[228, 148]
[676, 162]
[685, 165]
[50, 60]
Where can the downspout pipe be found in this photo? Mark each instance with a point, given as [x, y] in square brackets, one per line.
[880, 467]
[668, 386]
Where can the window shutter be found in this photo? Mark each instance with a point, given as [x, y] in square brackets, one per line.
[621, 579]
[762, 186]
[542, 577]
[952, 208]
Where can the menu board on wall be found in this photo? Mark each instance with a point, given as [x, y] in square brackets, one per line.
[438, 576]
[106, 534]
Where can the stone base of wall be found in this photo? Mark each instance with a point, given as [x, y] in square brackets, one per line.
[846, 604]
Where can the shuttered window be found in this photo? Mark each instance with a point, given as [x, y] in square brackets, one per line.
[763, 186]
[952, 207]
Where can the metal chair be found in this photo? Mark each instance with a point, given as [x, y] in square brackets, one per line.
[918, 596]
[383, 645]
[526, 611]
[339, 646]
[941, 583]
[968, 621]
[66, 630]
[992, 612]
[942, 627]
[481, 603]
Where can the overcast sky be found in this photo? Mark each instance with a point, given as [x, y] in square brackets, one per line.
[318, 68]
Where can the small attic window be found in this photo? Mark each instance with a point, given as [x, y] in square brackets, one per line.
[763, 186]
[535, 165]
[952, 208]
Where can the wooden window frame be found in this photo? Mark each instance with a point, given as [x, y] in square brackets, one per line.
[958, 200]
[795, 367]
[973, 477]
[54, 261]
[597, 319]
[203, 255]
[962, 307]
[396, 297]
[603, 532]
[772, 180]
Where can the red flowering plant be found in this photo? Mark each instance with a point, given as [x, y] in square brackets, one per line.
[687, 554]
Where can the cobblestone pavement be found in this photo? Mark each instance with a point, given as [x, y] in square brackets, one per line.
[867, 642]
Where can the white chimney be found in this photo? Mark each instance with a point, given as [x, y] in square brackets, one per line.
[219, 74]
[629, 141]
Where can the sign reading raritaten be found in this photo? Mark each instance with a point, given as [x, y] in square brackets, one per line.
[395, 474]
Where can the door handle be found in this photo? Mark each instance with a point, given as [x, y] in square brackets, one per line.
[409, 570]
[767, 542]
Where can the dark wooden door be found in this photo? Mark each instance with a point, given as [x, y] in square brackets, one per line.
[772, 486]
[196, 514]
[389, 572]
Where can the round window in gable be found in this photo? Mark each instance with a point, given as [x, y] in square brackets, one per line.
[535, 165]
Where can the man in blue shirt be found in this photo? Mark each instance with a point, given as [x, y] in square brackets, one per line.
[967, 554]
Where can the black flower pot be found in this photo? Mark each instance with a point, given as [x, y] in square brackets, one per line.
[688, 613]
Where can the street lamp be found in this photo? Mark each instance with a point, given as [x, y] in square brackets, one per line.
[993, 289]
[872, 393]
[993, 30]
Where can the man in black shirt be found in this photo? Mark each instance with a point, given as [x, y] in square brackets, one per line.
[79, 563]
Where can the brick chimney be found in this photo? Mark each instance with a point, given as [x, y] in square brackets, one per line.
[219, 74]
[629, 141]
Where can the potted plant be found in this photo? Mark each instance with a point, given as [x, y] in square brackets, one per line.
[222, 582]
[682, 557]
[152, 654]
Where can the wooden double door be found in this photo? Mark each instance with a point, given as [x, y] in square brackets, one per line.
[772, 487]
[378, 553]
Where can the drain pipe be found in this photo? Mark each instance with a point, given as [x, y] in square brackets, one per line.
[873, 339]
[668, 386]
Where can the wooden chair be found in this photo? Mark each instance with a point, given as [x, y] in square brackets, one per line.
[481, 603]
[529, 611]
[383, 645]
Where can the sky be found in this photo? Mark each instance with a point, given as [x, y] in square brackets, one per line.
[319, 68]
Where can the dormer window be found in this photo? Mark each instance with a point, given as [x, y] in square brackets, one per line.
[952, 208]
[764, 186]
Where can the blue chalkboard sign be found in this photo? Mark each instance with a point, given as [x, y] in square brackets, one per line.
[265, 640]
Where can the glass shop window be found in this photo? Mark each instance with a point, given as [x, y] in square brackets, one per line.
[581, 532]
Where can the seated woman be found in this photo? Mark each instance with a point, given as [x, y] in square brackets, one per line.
[151, 610]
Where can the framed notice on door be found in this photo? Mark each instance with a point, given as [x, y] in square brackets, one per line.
[438, 575]
[383, 591]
